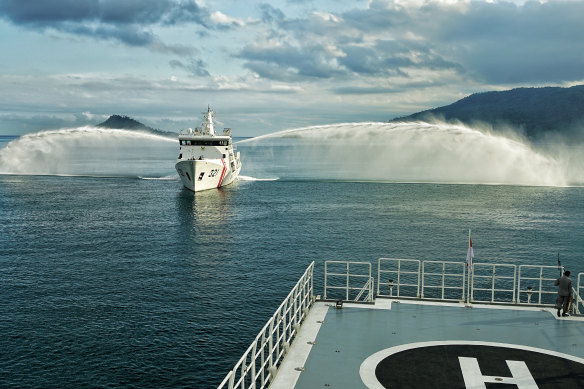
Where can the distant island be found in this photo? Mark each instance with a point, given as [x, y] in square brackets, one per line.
[536, 112]
[127, 123]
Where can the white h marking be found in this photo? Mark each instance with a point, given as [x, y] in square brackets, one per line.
[474, 379]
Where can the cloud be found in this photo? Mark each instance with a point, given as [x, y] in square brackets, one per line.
[223, 21]
[129, 22]
[195, 67]
[114, 12]
[271, 14]
[291, 62]
[488, 42]
[44, 13]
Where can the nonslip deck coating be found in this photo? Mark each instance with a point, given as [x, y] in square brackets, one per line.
[412, 344]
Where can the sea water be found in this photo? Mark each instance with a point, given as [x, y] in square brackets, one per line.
[113, 275]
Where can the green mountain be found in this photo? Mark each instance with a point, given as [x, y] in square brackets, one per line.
[537, 112]
[127, 123]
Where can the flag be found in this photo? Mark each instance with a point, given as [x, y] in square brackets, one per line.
[470, 252]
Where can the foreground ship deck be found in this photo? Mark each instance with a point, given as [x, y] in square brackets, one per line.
[448, 333]
[344, 348]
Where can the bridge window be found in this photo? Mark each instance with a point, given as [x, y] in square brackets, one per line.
[195, 142]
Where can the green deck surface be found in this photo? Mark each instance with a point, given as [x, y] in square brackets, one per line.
[350, 335]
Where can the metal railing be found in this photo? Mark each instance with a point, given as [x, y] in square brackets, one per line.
[578, 302]
[450, 281]
[443, 280]
[538, 281]
[404, 277]
[411, 278]
[493, 283]
[485, 283]
[257, 367]
[353, 279]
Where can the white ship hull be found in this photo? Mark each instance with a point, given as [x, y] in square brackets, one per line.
[207, 160]
[197, 175]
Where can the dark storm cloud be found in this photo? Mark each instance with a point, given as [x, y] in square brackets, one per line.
[126, 21]
[42, 13]
[47, 13]
[499, 42]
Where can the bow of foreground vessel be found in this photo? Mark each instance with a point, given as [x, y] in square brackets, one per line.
[419, 324]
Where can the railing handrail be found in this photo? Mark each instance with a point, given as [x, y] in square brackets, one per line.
[281, 328]
[505, 288]
[368, 287]
[578, 300]
[443, 287]
[494, 278]
[348, 275]
[280, 331]
[398, 272]
[540, 291]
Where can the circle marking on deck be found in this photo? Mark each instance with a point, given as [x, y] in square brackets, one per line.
[447, 364]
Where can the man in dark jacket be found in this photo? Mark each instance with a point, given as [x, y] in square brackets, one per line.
[564, 284]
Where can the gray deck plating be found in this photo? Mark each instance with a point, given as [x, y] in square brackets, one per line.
[342, 339]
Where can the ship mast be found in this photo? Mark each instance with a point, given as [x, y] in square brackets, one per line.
[208, 125]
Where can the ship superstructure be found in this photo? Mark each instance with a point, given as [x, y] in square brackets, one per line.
[207, 160]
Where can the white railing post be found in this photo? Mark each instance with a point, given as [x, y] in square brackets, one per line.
[231, 379]
[515, 296]
[263, 359]
[540, 283]
[271, 347]
[325, 274]
[398, 276]
[519, 285]
[423, 277]
[493, 283]
[470, 295]
[466, 288]
[296, 308]
[253, 365]
[418, 280]
[579, 278]
[347, 286]
[443, 280]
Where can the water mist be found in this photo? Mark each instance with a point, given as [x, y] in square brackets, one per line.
[90, 151]
[408, 152]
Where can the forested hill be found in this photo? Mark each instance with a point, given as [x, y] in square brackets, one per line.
[127, 123]
[535, 111]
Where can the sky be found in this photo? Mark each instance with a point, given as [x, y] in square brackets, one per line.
[270, 66]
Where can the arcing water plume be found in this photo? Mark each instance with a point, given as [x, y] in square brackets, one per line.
[414, 152]
[89, 151]
[400, 152]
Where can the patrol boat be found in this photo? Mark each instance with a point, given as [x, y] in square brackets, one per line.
[405, 323]
[207, 160]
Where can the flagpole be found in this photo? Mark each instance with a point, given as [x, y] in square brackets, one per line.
[469, 266]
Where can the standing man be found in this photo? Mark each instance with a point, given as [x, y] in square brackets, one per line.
[564, 284]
